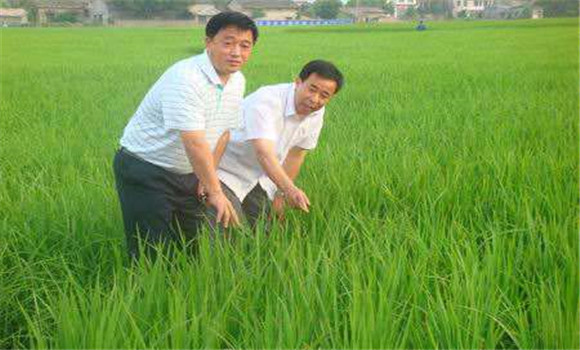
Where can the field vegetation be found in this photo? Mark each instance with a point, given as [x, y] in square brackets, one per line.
[444, 188]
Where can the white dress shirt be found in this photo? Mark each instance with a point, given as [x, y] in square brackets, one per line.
[188, 96]
[269, 113]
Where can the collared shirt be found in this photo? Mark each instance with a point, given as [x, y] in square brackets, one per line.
[188, 96]
[269, 113]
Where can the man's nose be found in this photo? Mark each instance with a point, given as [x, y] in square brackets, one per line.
[315, 99]
[236, 50]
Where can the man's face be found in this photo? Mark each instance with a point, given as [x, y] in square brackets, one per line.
[313, 93]
[229, 49]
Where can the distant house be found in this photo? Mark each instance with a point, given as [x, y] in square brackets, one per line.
[367, 14]
[13, 17]
[471, 8]
[267, 9]
[85, 11]
[506, 12]
[537, 12]
[402, 6]
[202, 11]
[98, 11]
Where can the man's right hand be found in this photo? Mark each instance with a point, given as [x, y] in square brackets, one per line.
[297, 198]
[225, 212]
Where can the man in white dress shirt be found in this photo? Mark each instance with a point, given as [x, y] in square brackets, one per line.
[281, 124]
[176, 137]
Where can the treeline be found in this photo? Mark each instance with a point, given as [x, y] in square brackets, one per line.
[552, 8]
[559, 8]
[320, 8]
[151, 8]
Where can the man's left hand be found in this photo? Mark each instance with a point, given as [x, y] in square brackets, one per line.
[200, 192]
[278, 205]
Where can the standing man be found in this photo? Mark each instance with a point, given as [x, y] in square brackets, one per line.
[176, 137]
[282, 123]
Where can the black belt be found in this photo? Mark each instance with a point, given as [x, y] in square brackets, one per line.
[130, 154]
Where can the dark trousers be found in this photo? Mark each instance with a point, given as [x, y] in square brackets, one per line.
[159, 207]
[254, 207]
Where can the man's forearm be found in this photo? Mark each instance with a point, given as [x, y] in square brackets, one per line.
[293, 162]
[220, 148]
[202, 159]
[275, 171]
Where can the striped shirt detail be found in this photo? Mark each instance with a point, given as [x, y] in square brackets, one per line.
[188, 96]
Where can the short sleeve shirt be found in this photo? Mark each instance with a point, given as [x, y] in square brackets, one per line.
[188, 96]
[269, 113]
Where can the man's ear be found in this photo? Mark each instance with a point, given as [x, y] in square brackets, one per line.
[297, 80]
[207, 41]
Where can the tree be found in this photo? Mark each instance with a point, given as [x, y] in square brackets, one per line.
[65, 17]
[327, 9]
[389, 8]
[436, 7]
[410, 13]
[25, 4]
[371, 3]
[150, 8]
[257, 13]
[559, 8]
[305, 10]
[220, 4]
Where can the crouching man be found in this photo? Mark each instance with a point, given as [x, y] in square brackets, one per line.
[281, 124]
[174, 140]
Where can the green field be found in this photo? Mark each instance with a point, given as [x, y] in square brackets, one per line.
[444, 189]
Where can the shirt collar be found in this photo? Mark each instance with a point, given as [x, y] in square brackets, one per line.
[290, 106]
[209, 70]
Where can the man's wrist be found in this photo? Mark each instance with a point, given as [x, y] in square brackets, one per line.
[214, 192]
[287, 188]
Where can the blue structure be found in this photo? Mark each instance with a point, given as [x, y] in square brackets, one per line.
[309, 22]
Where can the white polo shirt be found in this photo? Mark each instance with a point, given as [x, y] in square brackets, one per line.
[188, 96]
[269, 113]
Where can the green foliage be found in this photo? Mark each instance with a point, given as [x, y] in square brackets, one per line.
[374, 3]
[327, 9]
[151, 8]
[65, 17]
[257, 13]
[389, 8]
[26, 4]
[410, 13]
[526, 12]
[559, 8]
[436, 7]
[444, 195]
[220, 4]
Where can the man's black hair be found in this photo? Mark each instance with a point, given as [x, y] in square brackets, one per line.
[230, 18]
[324, 69]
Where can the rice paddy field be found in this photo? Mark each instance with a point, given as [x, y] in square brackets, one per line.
[444, 195]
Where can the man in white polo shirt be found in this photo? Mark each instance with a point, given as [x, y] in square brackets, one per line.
[281, 123]
[177, 136]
